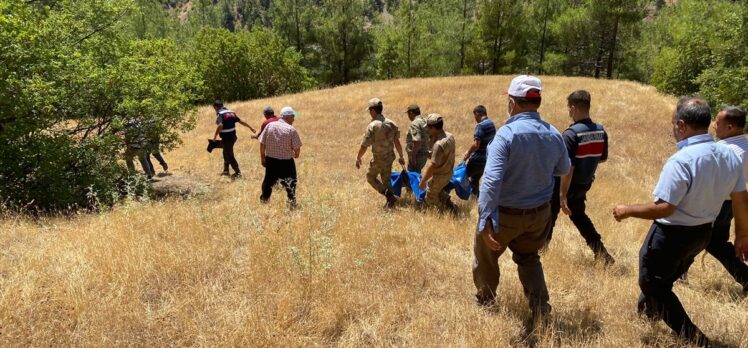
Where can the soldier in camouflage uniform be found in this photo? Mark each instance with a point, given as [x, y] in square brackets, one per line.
[439, 170]
[417, 140]
[381, 134]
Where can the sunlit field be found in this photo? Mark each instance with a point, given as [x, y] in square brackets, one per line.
[222, 269]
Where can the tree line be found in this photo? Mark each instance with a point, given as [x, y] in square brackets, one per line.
[73, 73]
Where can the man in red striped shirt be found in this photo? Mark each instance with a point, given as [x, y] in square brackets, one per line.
[587, 145]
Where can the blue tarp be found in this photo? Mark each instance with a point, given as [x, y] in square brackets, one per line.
[459, 183]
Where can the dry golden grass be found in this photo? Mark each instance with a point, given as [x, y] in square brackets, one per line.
[225, 270]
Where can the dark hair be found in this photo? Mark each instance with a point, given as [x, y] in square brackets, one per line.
[217, 103]
[580, 99]
[527, 102]
[734, 115]
[377, 108]
[694, 112]
[439, 125]
[480, 110]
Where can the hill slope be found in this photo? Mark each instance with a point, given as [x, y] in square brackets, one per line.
[226, 270]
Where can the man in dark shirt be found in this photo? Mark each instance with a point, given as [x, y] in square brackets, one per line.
[476, 154]
[226, 121]
[587, 145]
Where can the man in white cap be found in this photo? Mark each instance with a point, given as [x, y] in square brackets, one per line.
[279, 145]
[438, 173]
[513, 207]
[382, 135]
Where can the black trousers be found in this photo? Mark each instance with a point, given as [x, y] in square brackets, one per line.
[283, 170]
[228, 154]
[474, 171]
[721, 248]
[576, 200]
[666, 254]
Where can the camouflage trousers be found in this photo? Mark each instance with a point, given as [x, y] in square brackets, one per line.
[436, 196]
[379, 175]
[416, 164]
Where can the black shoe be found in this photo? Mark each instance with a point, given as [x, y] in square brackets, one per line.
[485, 301]
[391, 199]
[236, 176]
[601, 254]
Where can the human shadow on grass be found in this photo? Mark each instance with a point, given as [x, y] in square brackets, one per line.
[574, 325]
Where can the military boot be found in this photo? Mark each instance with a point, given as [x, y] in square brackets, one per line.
[391, 199]
[601, 254]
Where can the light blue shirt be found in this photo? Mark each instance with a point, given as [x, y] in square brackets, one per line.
[696, 180]
[522, 160]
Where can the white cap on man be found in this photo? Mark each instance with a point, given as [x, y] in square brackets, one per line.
[522, 85]
[288, 111]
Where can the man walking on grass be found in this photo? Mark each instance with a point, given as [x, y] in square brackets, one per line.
[475, 156]
[692, 187]
[587, 145]
[513, 208]
[417, 140]
[226, 121]
[382, 135]
[279, 145]
[438, 173]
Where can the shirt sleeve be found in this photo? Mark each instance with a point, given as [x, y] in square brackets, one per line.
[438, 155]
[414, 131]
[563, 166]
[261, 138]
[674, 183]
[368, 136]
[478, 135]
[570, 142]
[490, 188]
[295, 140]
[604, 157]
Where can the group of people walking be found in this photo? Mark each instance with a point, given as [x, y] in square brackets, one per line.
[525, 173]
[280, 144]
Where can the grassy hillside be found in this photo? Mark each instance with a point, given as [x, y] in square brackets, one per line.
[225, 270]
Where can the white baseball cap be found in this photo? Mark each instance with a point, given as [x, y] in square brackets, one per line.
[522, 84]
[288, 111]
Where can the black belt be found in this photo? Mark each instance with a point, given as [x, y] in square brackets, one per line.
[515, 211]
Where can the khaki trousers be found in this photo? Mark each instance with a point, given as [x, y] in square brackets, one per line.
[524, 235]
[379, 175]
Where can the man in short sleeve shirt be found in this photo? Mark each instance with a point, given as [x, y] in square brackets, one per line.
[438, 174]
[475, 156]
[692, 186]
[416, 140]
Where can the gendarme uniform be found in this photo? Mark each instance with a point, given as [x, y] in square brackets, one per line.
[443, 160]
[380, 135]
[420, 133]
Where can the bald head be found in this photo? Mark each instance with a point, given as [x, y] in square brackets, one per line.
[694, 112]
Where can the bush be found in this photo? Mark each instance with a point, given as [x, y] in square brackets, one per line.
[71, 79]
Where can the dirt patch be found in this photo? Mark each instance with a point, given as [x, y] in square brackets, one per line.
[179, 185]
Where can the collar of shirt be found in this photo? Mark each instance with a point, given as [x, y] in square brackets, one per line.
[283, 120]
[696, 139]
[379, 117]
[733, 139]
[584, 120]
[533, 115]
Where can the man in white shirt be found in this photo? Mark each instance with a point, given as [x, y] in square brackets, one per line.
[728, 126]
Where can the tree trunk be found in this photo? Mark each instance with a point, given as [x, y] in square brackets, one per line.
[542, 40]
[462, 35]
[600, 53]
[497, 44]
[613, 44]
[299, 45]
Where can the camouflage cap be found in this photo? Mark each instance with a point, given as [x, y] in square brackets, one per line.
[414, 108]
[433, 119]
[375, 102]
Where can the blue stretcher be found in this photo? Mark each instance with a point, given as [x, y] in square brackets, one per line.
[459, 183]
